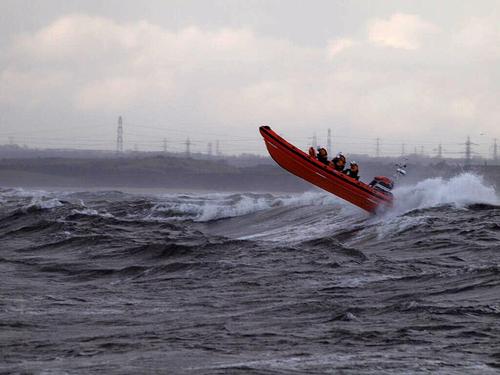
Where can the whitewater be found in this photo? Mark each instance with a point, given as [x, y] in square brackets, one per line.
[253, 283]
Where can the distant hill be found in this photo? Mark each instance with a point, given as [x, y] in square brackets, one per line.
[156, 171]
[187, 173]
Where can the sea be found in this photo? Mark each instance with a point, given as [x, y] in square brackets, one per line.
[122, 282]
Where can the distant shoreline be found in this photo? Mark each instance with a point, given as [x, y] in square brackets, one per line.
[185, 174]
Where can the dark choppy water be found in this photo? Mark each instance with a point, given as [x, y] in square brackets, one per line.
[108, 282]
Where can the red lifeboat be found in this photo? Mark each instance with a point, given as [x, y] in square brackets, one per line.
[307, 167]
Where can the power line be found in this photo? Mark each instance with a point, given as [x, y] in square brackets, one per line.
[217, 148]
[188, 147]
[329, 142]
[119, 136]
[468, 151]
[151, 141]
[495, 150]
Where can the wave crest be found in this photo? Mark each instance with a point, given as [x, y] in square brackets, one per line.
[460, 191]
[221, 206]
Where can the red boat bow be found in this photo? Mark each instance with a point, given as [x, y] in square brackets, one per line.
[310, 169]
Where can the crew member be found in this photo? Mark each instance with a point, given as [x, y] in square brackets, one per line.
[312, 152]
[323, 155]
[339, 162]
[353, 170]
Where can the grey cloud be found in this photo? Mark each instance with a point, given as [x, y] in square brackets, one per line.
[420, 74]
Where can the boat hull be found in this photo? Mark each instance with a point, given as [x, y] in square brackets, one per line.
[310, 169]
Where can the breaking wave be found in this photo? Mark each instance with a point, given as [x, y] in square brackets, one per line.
[205, 208]
[458, 191]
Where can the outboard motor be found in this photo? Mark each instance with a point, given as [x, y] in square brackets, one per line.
[383, 184]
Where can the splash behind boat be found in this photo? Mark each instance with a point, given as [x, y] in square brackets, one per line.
[310, 169]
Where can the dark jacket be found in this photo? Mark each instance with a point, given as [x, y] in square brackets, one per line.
[322, 155]
[323, 159]
[336, 165]
[352, 174]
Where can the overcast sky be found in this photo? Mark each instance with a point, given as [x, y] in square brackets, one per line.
[418, 72]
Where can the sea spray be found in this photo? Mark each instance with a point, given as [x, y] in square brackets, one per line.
[459, 191]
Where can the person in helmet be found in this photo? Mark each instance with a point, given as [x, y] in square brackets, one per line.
[312, 152]
[339, 162]
[322, 155]
[353, 170]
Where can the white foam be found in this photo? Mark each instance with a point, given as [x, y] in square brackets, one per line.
[43, 204]
[20, 192]
[459, 191]
[213, 210]
[91, 212]
[310, 198]
[209, 207]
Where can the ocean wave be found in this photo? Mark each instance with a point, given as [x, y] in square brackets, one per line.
[205, 208]
[312, 276]
[459, 191]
